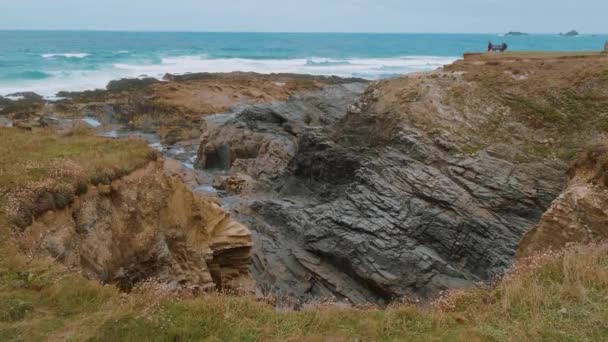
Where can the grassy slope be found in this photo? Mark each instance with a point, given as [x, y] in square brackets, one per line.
[553, 297]
[561, 99]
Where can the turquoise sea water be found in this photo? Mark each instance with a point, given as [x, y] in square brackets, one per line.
[49, 61]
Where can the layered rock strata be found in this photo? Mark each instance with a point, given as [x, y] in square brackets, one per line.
[146, 225]
[580, 213]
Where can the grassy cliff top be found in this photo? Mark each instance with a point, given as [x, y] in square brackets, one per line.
[31, 157]
[536, 105]
[35, 164]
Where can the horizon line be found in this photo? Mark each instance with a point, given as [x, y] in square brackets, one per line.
[280, 32]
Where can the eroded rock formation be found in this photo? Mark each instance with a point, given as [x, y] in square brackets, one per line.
[428, 182]
[580, 213]
[146, 225]
[260, 141]
[174, 108]
[373, 222]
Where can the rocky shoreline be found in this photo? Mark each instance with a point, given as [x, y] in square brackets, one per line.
[370, 192]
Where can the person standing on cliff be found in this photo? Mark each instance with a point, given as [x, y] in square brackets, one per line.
[490, 46]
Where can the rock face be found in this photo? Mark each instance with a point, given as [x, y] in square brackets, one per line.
[174, 108]
[368, 209]
[375, 223]
[579, 214]
[424, 183]
[147, 225]
[260, 141]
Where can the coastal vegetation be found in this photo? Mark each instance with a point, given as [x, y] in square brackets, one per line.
[555, 296]
[525, 112]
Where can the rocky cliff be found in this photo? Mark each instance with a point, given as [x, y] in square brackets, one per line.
[426, 182]
[145, 226]
[363, 192]
[580, 213]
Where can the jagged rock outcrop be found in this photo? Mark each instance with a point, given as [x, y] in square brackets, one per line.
[428, 182]
[173, 108]
[374, 223]
[260, 141]
[580, 213]
[146, 225]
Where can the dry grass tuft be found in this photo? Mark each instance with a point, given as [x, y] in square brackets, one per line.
[43, 171]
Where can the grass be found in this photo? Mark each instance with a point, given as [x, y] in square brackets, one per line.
[39, 172]
[43, 171]
[28, 157]
[561, 296]
[549, 105]
[557, 296]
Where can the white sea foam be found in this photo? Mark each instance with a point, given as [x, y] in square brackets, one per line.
[372, 68]
[205, 188]
[157, 146]
[15, 97]
[368, 68]
[66, 55]
[91, 122]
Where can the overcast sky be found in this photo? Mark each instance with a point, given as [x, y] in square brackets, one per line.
[488, 16]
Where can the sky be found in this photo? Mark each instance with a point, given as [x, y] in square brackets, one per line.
[446, 16]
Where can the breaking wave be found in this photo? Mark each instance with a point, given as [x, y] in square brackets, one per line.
[98, 78]
[65, 55]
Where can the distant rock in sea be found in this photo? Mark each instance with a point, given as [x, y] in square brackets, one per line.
[516, 33]
[572, 33]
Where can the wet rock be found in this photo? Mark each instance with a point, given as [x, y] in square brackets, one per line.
[131, 84]
[260, 141]
[173, 108]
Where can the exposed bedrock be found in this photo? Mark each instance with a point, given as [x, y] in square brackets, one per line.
[405, 219]
[146, 226]
[381, 198]
[579, 214]
[260, 140]
[174, 108]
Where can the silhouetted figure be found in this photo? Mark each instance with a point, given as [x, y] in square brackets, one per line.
[497, 48]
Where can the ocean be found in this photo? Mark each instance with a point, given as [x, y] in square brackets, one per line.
[46, 62]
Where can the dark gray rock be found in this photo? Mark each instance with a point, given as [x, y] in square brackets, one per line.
[383, 223]
[572, 33]
[372, 217]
